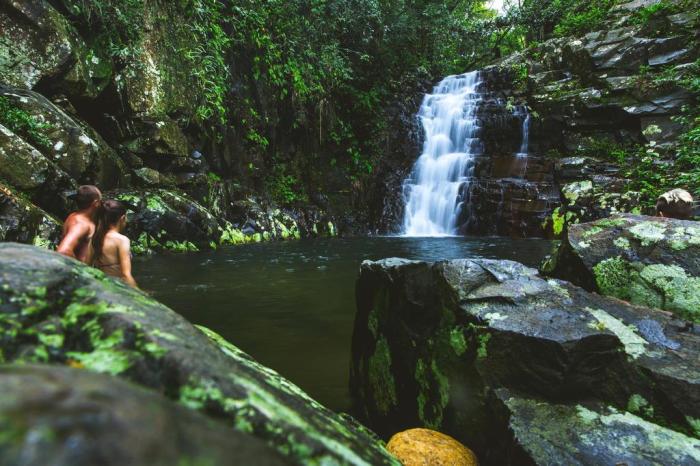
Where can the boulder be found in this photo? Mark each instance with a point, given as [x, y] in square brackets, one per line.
[35, 43]
[424, 447]
[590, 434]
[77, 149]
[71, 417]
[167, 220]
[26, 169]
[433, 341]
[55, 310]
[23, 222]
[652, 261]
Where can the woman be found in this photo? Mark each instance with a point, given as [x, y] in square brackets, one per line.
[111, 251]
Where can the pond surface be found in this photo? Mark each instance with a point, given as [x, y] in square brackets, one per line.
[291, 304]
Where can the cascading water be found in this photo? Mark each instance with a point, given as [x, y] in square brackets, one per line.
[451, 127]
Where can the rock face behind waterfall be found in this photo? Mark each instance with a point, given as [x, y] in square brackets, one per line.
[522, 369]
[514, 188]
[650, 261]
[54, 310]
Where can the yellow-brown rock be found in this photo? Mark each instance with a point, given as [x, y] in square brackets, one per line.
[424, 447]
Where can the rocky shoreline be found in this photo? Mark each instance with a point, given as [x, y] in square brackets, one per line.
[528, 369]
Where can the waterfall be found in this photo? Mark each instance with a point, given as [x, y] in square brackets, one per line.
[524, 145]
[451, 127]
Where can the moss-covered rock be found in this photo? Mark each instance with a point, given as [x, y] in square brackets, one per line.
[432, 341]
[77, 149]
[38, 45]
[27, 170]
[23, 222]
[168, 220]
[651, 261]
[57, 311]
[72, 417]
[591, 433]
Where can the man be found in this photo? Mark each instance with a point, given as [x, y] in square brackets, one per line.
[80, 225]
[677, 203]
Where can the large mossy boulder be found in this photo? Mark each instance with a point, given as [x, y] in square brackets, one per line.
[652, 261]
[76, 148]
[57, 311]
[168, 220]
[433, 341]
[71, 417]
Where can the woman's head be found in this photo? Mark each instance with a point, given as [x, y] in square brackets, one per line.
[112, 214]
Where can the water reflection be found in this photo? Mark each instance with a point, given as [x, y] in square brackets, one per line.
[291, 305]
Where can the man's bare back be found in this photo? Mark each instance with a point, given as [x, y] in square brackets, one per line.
[77, 233]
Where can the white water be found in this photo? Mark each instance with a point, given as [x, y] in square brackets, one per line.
[448, 116]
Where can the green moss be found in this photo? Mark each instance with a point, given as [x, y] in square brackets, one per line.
[634, 344]
[381, 379]
[611, 223]
[613, 277]
[622, 243]
[457, 341]
[573, 191]
[694, 424]
[107, 360]
[680, 292]
[637, 404]
[558, 221]
[481, 351]
[648, 232]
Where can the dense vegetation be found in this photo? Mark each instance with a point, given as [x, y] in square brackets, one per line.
[319, 75]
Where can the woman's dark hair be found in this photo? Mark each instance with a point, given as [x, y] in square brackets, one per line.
[108, 215]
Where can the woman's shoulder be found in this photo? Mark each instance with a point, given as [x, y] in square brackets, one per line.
[123, 240]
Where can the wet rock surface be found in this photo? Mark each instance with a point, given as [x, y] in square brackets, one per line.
[54, 310]
[72, 417]
[652, 261]
[434, 341]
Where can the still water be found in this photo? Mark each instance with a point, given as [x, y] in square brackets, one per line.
[291, 304]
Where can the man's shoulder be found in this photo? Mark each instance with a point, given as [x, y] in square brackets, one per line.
[79, 219]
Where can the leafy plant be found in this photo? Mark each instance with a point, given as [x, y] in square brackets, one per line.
[24, 124]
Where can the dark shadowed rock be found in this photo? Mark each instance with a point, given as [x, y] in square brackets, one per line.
[432, 341]
[652, 261]
[55, 310]
[71, 417]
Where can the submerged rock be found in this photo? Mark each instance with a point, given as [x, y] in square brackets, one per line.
[57, 311]
[652, 261]
[71, 417]
[433, 341]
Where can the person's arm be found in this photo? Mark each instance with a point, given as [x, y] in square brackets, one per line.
[75, 233]
[125, 261]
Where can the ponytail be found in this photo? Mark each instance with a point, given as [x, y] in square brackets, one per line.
[108, 215]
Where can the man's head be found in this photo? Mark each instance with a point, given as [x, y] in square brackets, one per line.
[88, 196]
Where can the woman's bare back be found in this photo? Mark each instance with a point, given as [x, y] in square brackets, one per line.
[116, 257]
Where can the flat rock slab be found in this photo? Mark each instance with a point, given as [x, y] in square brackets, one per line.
[57, 311]
[432, 340]
[70, 417]
[652, 261]
[591, 434]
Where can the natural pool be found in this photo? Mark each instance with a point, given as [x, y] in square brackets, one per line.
[291, 304]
